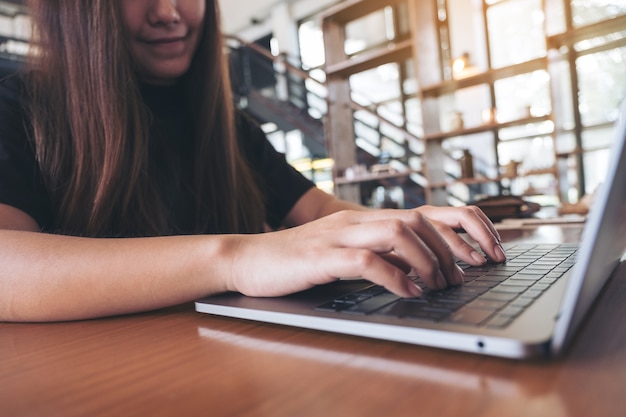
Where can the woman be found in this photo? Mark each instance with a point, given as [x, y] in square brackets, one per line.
[128, 184]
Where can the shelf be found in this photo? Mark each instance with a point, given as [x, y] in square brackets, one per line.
[450, 86]
[486, 180]
[375, 177]
[393, 52]
[349, 10]
[593, 30]
[542, 171]
[579, 151]
[485, 128]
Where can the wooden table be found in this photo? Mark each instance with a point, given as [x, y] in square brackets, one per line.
[176, 362]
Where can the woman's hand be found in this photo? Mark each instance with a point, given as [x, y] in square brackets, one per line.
[378, 245]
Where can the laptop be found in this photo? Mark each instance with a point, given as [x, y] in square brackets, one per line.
[529, 306]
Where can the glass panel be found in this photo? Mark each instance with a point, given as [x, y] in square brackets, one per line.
[555, 17]
[366, 117]
[523, 96]
[467, 37]
[532, 155]
[367, 133]
[480, 146]
[295, 148]
[594, 139]
[277, 139]
[565, 143]
[311, 40]
[376, 85]
[516, 32]
[464, 108]
[392, 148]
[392, 111]
[413, 111]
[392, 133]
[594, 177]
[536, 186]
[414, 117]
[538, 156]
[563, 110]
[569, 179]
[527, 130]
[585, 12]
[318, 106]
[368, 31]
[602, 81]
[512, 152]
[367, 147]
[416, 147]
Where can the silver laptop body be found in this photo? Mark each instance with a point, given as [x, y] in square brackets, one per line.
[544, 329]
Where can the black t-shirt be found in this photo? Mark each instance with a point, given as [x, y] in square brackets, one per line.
[21, 184]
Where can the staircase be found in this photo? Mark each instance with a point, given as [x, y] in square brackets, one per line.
[270, 94]
[272, 90]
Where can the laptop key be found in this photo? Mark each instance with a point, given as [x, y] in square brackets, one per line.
[498, 296]
[492, 305]
[522, 301]
[489, 296]
[527, 277]
[510, 289]
[481, 283]
[511, 311]
[499, 322]
[493, 278]
[505, 269]
[521, 282]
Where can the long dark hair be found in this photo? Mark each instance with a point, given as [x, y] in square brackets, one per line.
[90, 127]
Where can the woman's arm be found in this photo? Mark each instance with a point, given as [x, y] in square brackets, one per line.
[46, 277]
[315, 204]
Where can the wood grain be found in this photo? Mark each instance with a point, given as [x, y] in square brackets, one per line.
[176, 362]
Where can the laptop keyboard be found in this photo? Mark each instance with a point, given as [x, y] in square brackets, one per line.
[493, 295]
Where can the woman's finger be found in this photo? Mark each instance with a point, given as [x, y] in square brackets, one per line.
[364, 263]
[478, 227]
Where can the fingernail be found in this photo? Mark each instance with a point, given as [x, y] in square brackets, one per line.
[500, 256]
[478, 257]
[415, 290]
[459, 275]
